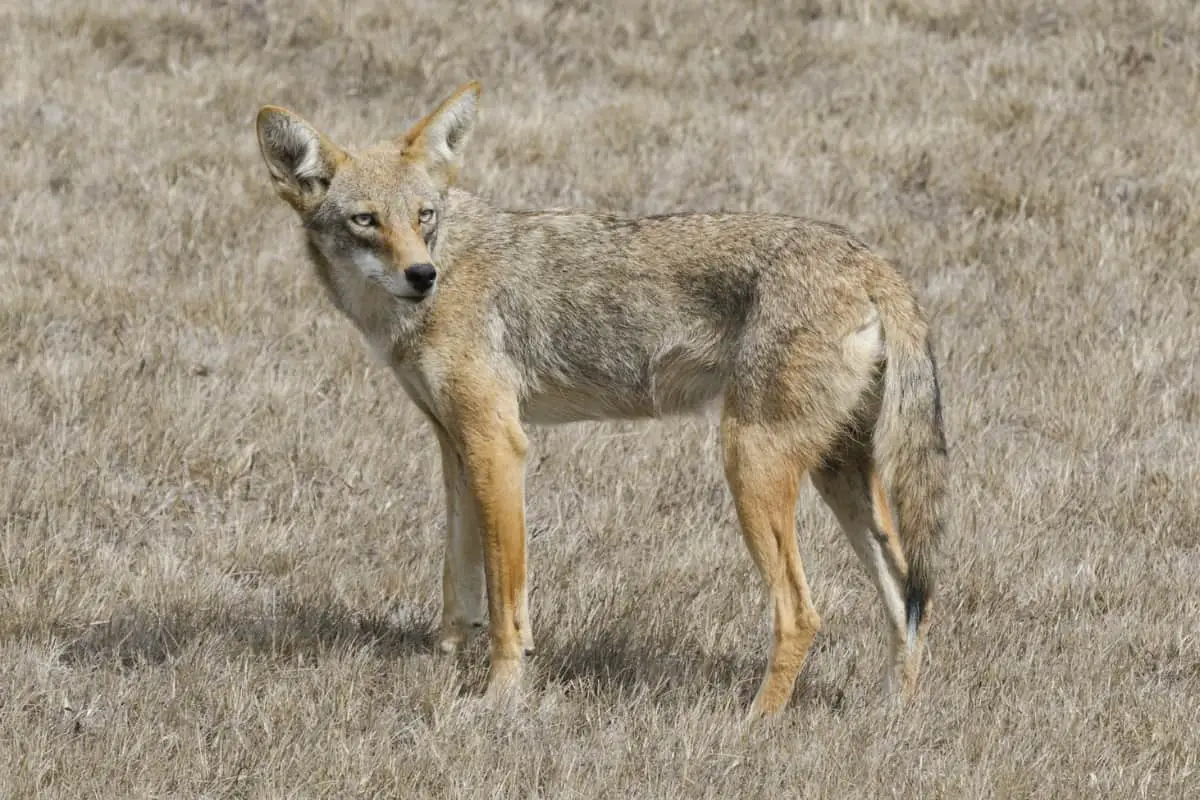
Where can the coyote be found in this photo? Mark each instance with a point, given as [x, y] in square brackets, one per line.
[814, 348]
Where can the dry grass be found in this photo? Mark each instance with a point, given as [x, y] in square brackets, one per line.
[221, 524]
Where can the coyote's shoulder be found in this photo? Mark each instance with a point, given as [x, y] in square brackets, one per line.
[814, 349]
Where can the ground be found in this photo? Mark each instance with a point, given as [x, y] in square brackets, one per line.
[221, 523]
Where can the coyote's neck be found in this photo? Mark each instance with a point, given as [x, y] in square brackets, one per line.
[465, 219]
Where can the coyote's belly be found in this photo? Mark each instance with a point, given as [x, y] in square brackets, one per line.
[677, 380]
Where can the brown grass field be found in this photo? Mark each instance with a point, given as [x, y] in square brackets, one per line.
[220, 551]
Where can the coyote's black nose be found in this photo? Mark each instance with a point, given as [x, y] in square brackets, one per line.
[421, 276]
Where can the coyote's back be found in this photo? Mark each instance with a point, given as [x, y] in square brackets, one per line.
[814, 349]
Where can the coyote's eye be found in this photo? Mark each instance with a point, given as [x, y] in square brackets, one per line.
[365, 220]
[425, 216]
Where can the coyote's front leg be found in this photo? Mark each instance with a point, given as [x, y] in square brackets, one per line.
[494, 447]
[464, 602]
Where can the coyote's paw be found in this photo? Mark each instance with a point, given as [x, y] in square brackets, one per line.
[456, 634]
[504, 683]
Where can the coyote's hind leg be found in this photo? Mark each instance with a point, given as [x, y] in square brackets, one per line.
[765, 483]
[852, 489]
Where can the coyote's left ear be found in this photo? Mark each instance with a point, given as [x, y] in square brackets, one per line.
[437, 141]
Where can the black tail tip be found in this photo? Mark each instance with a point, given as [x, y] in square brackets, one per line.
[914, 612]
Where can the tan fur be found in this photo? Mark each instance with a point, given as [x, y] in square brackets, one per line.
[815, 348]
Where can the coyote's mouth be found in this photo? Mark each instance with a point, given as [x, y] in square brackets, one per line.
[415, 298]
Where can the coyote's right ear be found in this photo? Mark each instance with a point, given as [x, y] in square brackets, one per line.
[301, 159]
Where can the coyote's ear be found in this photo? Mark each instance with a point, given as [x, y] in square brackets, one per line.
[301, 159]
[437, 141]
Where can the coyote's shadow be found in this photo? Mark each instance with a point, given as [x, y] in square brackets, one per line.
[667, 670]
[289, 631]
[608, 659]
[615, 660]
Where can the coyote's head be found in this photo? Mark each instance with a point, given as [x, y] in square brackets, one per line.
[375, 213]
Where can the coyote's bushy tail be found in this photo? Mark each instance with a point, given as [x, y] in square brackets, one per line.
[910, 447]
